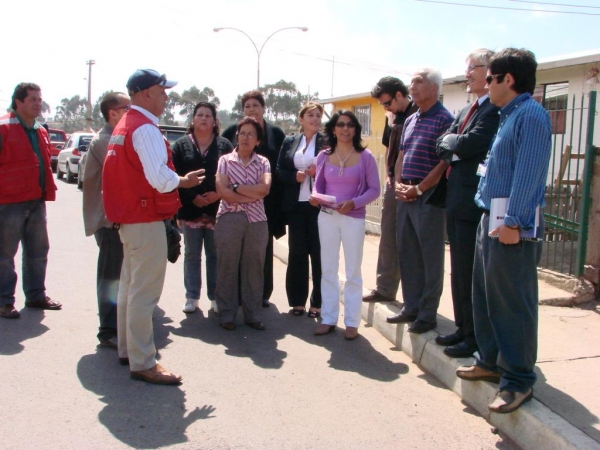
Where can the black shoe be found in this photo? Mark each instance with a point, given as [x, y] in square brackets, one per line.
[257, 326]
[463, 349]
[375, 296]
[124, 361]
[265, 303]
[401, 318]
[419, 327]
[450, 339]
[113, 342]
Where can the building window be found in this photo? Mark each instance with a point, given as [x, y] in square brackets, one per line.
[363, 114]
[554, 98]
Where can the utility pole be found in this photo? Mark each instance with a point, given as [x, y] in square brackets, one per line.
[88, 119]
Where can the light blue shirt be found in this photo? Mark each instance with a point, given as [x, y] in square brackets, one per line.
[517, 163]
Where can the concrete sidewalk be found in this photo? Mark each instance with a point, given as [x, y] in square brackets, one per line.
[566, 409]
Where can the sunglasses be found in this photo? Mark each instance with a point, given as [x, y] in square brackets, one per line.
[387, 104]
[499, 77]
[344, 124]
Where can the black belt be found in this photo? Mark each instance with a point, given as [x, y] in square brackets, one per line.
[411, 182]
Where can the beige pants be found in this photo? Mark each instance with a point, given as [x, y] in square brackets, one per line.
[142, 280]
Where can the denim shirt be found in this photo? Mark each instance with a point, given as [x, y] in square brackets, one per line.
[517, 163]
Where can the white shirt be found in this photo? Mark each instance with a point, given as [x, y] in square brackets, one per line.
[149, 144]
[304, 157]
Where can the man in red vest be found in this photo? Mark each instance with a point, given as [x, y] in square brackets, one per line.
[139, 187]
[25, 185]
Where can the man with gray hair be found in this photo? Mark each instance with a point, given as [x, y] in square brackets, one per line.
[420, 226]
[465, 146]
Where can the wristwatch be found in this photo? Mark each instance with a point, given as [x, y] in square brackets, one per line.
[419, 193]
[234, 187]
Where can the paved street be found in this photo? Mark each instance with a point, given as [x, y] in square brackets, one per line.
[279, 389]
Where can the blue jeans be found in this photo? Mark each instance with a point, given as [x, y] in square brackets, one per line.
[194, 239]
[24, 223]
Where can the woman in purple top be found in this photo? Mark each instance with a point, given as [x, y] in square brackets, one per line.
[348, 172]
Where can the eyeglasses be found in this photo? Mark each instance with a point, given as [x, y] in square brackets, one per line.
[499, 77]
[125, 107]
[472, 67]
[246, 135]
[344, 124]
[387, 104]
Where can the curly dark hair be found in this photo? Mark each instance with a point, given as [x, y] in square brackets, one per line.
[252, 121]
[330, 126]
[213, 111]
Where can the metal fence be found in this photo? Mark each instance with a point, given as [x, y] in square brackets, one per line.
[569, 180]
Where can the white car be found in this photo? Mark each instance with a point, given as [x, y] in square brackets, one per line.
[68, 158]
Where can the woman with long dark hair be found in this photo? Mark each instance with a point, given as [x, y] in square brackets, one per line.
[347, 174]
[200, 148]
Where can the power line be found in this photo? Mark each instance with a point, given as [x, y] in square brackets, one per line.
[555, 4]
[508, 8]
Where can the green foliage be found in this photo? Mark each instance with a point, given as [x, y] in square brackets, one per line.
[192, 96]
[70, 114]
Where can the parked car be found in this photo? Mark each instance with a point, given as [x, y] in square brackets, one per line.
[68, 158]
[57, 140]
[172, 132]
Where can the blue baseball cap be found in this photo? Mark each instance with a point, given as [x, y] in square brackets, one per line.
[146, 78]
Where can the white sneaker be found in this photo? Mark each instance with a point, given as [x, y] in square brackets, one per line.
[190, 306]
[213, 305]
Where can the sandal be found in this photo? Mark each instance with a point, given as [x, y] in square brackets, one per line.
[297, 312]
[312, 314]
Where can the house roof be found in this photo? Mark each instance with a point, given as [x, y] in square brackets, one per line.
[555, 62]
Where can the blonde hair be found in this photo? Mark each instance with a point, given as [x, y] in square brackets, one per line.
[310, 106]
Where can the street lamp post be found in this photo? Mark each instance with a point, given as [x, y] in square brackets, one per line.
[259, 51]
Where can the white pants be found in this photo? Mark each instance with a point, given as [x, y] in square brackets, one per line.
[336, 229]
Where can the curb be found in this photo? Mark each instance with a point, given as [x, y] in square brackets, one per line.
[531, 426]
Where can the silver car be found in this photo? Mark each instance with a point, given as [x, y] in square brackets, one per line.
[68, 158]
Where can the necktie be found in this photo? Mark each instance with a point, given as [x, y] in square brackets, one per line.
[469, 114]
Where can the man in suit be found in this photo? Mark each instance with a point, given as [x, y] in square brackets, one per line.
[465, 146]
[392, 94]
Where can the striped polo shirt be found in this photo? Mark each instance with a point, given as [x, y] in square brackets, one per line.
[232, 166]
[419, 137]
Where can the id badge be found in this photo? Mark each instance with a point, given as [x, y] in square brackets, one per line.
[481, 169]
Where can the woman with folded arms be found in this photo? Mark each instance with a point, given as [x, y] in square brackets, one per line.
[241, 233]
[348, 172]
[296, 169]
[201, 148]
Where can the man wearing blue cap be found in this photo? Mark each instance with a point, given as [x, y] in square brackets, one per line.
[139, 187]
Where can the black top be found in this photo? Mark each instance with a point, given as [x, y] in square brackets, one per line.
[269, 148]
[186, 158]
[286, 170]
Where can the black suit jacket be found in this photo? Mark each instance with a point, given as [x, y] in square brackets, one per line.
[471, 146]
[286, 171]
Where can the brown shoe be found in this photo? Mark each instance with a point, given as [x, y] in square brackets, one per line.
[350, 333]
[156, 375]
[322, 329]
[47, 303]
[375, 296]
[476, 373]
[9, 312]
[508, 401]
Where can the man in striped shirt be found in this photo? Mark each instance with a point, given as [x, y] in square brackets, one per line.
[505, 284]
[419, 226]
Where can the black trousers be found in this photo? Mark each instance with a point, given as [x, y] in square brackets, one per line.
[303, 240]
[268, 270]
[462, 235]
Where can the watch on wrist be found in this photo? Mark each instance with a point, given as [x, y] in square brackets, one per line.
[234, 187]
[419, 192]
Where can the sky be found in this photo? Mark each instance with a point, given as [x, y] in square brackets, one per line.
[349, 44]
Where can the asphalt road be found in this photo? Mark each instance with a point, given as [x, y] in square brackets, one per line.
[279, 389]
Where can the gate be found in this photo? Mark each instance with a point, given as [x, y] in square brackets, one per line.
[568, 190]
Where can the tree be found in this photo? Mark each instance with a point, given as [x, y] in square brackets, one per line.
[71, 114]
[190, 98]
[282, 103]
[168, 117]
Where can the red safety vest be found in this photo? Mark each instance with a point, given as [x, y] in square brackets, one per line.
[126, 193]
[20, 166]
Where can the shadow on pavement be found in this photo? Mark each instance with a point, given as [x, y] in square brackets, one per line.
[243, 342]
[16, 331]
[140, 415]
